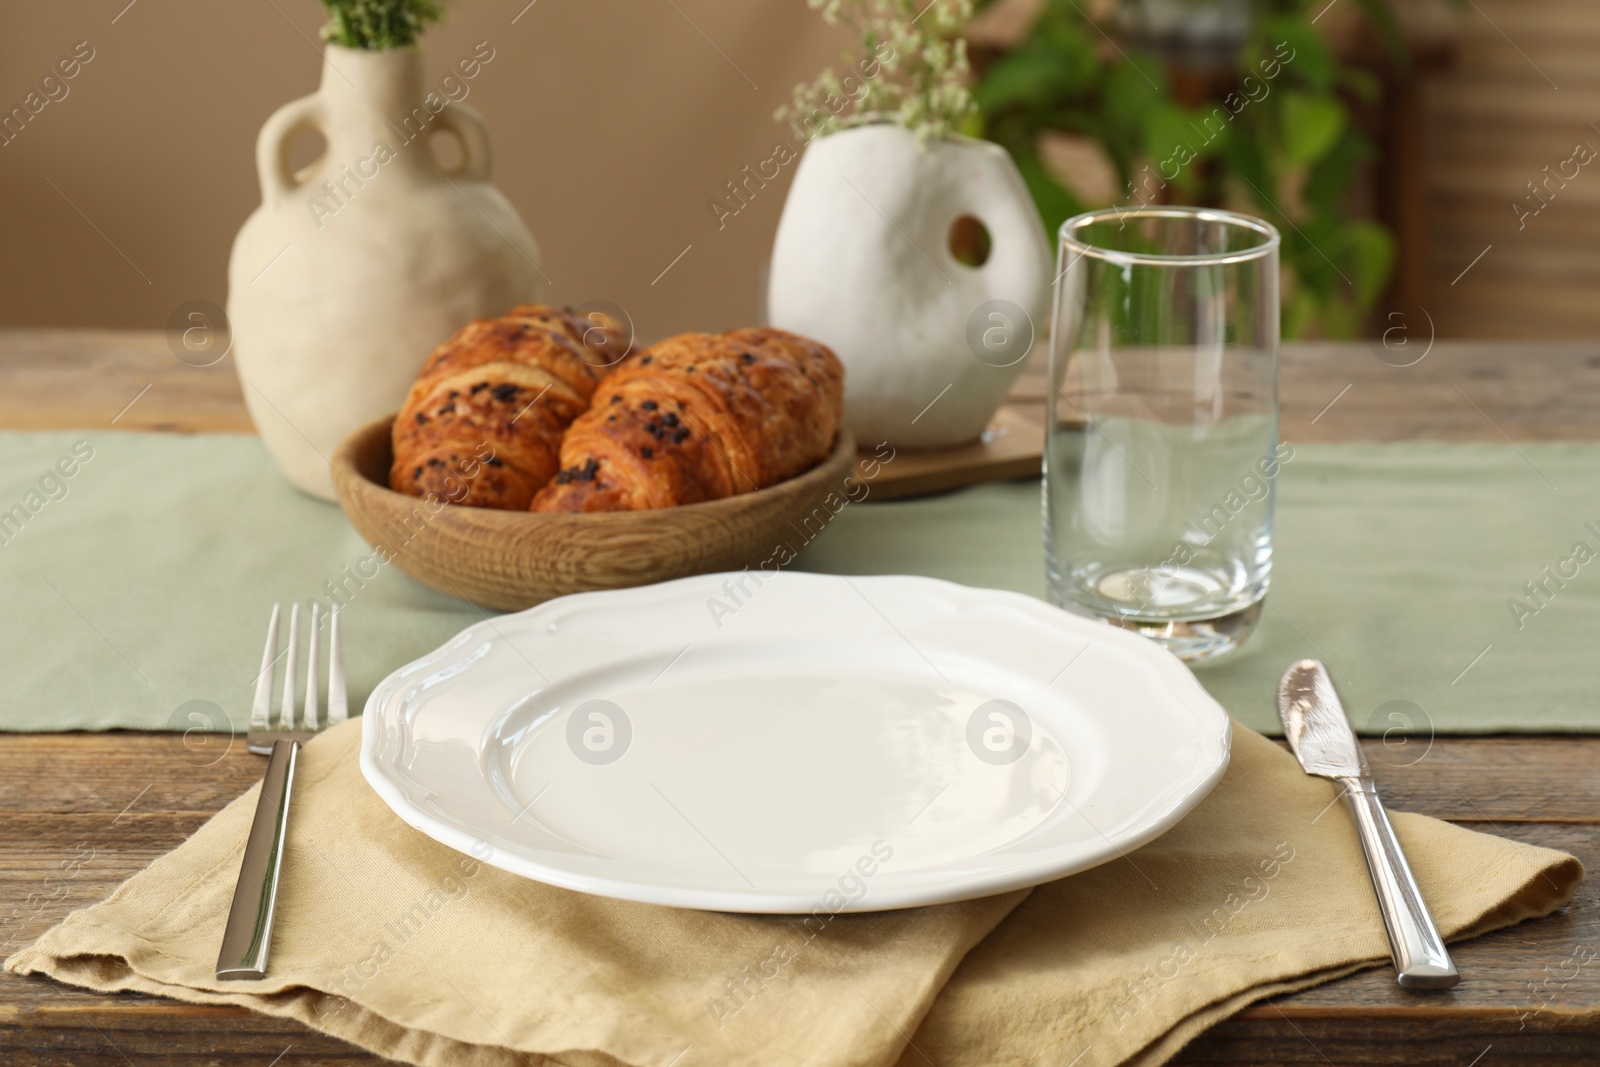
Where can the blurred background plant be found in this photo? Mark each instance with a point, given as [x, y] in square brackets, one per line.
[1230, 103]
[373, 24]
[912, 70]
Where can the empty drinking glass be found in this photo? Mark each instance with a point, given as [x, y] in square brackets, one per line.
[1162, 444]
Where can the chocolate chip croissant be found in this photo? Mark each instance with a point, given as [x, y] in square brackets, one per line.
[482, 424]
[700, 417]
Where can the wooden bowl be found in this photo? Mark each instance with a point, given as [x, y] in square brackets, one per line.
[514, 559]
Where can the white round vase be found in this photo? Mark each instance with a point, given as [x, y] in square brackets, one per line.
[863, 263]
[352, 270]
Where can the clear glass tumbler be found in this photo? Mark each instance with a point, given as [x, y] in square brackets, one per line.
[1162, 442]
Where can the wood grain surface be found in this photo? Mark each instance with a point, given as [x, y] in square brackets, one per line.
[114, 802]
[100, 379]
[1456, 390]
[1451, 391]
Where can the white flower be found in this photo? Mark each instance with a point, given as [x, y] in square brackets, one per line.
[912, 70]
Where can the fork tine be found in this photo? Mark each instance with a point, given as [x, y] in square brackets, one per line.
[261, 706]
[338, 703]
[286, 715]
[309, 715]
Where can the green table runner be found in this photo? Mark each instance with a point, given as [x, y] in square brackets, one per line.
[1396, 564]
[137, 570]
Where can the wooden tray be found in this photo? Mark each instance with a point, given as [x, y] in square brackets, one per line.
[1011, 448]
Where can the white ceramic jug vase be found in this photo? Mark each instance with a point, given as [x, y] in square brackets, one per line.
[863, 263]
[353, 269]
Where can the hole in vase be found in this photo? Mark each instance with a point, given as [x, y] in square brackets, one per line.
[448, 151]
[969, 241]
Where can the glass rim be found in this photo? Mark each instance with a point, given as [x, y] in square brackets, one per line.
[1269, 234]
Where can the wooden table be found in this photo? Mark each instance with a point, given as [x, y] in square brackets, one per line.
[79, 813]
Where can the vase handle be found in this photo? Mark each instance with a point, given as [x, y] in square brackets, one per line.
[272, 144]
[468, 125]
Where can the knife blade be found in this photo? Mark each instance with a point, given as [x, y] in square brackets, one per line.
[1319, 734]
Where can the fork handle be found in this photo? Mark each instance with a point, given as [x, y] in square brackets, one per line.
[248, 935]
[1420, 958]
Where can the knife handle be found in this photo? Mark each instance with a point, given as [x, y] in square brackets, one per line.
[1414, 942]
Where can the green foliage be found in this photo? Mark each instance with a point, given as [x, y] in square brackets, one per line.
[1311, 126]
[1281, 145]
[912, 70]
[375, 24]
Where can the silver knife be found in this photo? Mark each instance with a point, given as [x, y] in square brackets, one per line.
[1320, 735]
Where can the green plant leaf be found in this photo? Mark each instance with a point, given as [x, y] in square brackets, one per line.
[1056, 203]
[1362, 84]
[1029, 77]
[1369, 250]
[1330, 177]
[1300, 49]
[1071, 36]
[1066, 77]
[1116, 114]
[379, 24]
[1246, 158]
[1310, 125]
[1300, 315]
[1175, 138]
[1133, 88]
[1057, 62]
[1317, 248]
[1166, 133]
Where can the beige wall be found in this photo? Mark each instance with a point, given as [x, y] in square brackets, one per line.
[614, 122]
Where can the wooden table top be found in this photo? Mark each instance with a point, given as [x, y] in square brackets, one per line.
[79, 813]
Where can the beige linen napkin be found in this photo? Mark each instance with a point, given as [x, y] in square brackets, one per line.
[400, 945]
[390, 940]
[1260, 890]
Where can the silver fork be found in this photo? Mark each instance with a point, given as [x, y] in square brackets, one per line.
[248, 935]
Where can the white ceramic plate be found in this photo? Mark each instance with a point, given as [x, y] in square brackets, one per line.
[802, 744]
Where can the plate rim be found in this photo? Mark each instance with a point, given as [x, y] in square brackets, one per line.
[1217, 746]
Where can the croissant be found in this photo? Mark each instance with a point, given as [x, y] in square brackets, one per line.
[482, 424]
[700, 417]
